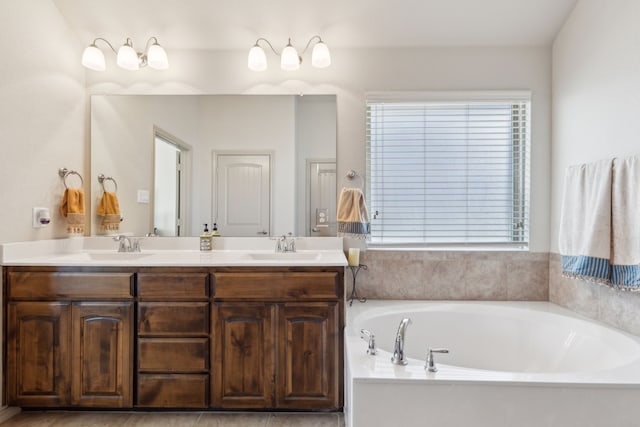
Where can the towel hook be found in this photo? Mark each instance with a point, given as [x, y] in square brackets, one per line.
[102, 179]
[64, 173]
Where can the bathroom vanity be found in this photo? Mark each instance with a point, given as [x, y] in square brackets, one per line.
[260, 332]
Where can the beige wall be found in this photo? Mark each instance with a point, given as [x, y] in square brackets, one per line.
[596, 105]
[42, 115]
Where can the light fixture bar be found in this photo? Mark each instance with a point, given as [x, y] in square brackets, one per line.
[289, 58]
[127, 57]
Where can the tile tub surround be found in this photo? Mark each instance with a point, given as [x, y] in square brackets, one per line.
[599, 302]
[452, 275]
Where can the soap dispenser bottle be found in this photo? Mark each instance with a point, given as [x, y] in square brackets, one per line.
[205, 239]
[215, 232]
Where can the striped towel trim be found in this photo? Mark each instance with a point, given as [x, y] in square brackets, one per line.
[586, 267]
[626, 277]
[354, 229]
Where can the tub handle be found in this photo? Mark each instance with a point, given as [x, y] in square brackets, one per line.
[368, 335]
[430, 365]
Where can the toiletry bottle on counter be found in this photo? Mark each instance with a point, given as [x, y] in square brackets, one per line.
[205, 239]
[215, 232]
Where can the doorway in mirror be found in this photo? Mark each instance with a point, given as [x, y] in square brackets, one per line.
[169, 195]
[321, 211]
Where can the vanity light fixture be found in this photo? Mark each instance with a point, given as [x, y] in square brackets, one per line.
[290, 60]
[127, 57]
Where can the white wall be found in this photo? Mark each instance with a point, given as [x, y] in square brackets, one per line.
[596, 115]
[355, 72]
[596, 89]
[42, 115]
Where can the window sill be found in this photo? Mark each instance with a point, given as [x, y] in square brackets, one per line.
[449, 248]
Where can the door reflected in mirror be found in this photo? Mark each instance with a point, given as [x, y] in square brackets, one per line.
[182, 176]
[170, 162]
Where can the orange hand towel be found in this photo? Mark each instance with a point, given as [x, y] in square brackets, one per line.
[109, 210]
[72, 208]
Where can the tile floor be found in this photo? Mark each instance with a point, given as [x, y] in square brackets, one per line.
[173, 419]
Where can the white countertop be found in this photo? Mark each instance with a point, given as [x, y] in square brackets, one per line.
[173, 252]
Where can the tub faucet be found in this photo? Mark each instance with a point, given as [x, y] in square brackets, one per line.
[430, 364]
[371, 338]
[398, 347]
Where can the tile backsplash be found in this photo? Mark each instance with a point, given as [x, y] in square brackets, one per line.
[453, 275]
[599, 302]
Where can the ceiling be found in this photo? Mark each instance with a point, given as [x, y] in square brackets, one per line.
[236, 24]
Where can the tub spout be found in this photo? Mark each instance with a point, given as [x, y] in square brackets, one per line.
[398, 347]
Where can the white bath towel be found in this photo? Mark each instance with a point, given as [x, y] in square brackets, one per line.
[353, 216]
[585, 222]
[625, 212]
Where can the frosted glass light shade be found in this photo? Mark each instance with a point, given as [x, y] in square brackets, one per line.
[93, 58]
[257, 60]
[320, 56]
[289, 60]
[128, 58]
[157, 57]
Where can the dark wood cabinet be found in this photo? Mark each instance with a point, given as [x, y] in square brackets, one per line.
[308, 356]
[180, 337]
[173, 339]
[102, 354]
[38, 354]
[66, 345]
[285, 353]
[283, 356]
[244, 369]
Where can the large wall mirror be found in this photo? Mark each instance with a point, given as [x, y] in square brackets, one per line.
[257, 165]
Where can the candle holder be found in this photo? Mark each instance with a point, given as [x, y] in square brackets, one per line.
[354, 293]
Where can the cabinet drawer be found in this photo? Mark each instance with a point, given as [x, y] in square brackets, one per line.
[176, 318]
[173, 391]
[62, 285]
[277, 286]
[181, 286]
[173, 354]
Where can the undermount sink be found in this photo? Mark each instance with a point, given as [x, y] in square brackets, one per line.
[284, 256]
[115, 256]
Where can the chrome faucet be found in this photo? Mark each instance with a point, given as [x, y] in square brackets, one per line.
[286, 243]
[127, 244]
[398, 347]
[371, 338]
[430, 364]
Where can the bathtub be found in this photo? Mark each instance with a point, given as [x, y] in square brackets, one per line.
[515, 364]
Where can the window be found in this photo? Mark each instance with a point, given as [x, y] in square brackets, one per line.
[449, 172]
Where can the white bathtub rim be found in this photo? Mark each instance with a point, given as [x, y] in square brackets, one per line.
[378, 368]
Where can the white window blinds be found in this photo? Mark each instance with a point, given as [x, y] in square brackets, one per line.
[448, 172]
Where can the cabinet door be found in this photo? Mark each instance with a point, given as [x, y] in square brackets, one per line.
[244, 366]
[308, 356]
[102, 354]
[38, 354]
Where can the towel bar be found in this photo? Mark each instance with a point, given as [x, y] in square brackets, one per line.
[102, 179]
[64, 173]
